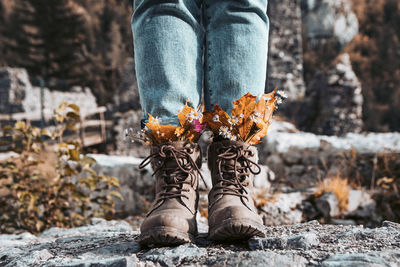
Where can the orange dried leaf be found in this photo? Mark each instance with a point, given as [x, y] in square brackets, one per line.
[219, 113]
[153, 125]
[244, 106]
[260, 134]
[182, 115]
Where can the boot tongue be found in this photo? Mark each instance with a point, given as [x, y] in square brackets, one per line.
[174, 172]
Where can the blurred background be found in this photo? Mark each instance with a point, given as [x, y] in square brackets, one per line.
[332, 152]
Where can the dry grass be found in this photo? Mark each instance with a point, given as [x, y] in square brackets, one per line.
[204, 213]
[337, 185]
[262, 197]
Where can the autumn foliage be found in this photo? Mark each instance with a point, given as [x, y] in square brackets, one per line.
[34, 201]
[251, 117]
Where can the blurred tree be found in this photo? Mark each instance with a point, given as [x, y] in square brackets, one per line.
[85, 42]
[2, 32]
[375, 56]
[48, 39]
[111, 39]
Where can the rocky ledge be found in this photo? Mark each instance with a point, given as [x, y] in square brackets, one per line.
[114, 243]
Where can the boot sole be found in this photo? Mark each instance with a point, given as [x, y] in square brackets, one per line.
[165, 236]
[236, 229]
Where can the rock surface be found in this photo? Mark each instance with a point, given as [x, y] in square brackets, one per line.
[329, 20]
[17, 95]
[137, 185]
[333, 103]
[285, 63]
[114, 243]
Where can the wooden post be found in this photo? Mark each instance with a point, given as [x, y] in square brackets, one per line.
[82, 130]
[103, 129]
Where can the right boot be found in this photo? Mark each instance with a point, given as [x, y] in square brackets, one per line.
[231, 211]
[172, 218]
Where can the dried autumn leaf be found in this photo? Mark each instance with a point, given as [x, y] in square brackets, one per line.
[220, 114]
[182, 115]
[250, 119]
[165, 133]
[244, 106]
[152, 124]
[256, 138]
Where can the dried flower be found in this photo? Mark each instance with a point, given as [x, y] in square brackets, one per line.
[233, 137]
[249, 121]
[233, 120]
[179, 131]
[154, 120]
[224, 131]
[281, 93]
[189, 129]
[198, 127]
[255, 119]
[193, 115]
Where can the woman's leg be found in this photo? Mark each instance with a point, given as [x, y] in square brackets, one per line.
[168, 41]
[236, 50]
[236, 64]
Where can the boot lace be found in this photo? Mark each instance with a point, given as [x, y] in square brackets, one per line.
[176, 175]
[234, 166]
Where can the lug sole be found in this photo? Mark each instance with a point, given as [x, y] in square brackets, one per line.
[236, 229]
[165, 236]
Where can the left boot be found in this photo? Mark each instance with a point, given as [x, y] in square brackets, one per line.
[231, 211]
[171, 220]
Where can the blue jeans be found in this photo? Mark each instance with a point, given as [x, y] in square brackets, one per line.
[184, 46]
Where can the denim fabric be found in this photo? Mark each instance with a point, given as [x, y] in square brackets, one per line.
[169, 36]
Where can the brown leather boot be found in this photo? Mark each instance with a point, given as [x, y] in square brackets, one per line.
[231, 211]
[172, 217]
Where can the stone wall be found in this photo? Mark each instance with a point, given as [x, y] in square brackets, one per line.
[285, 63]
[302, 160]
[13, 86]
[329, 21]
[333, 102]
[17, 95]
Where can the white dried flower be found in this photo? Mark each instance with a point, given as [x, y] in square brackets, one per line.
[155, 120]
[193, 115]
[282, 94]
[255, 119]
[224, 131]
[233, 120]
[216, 118]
